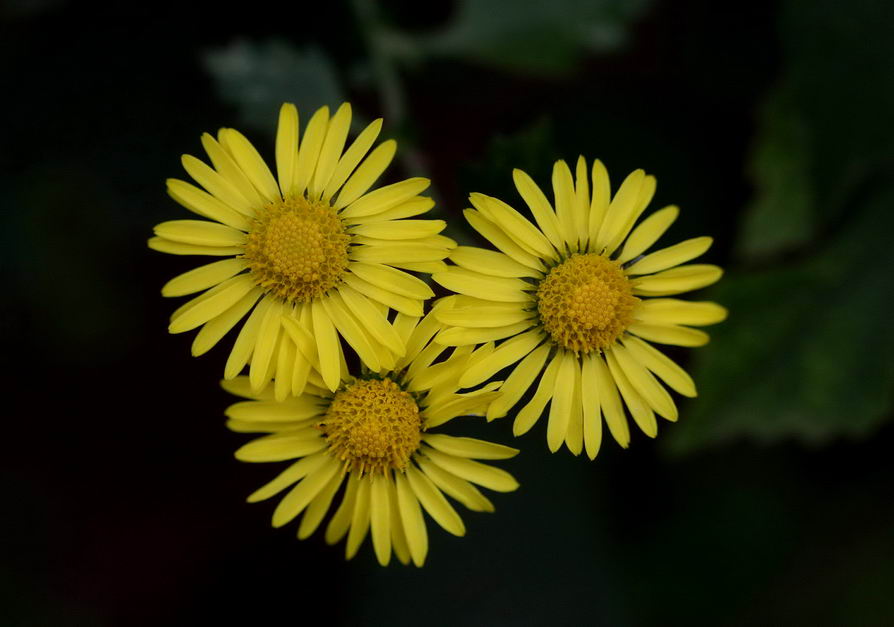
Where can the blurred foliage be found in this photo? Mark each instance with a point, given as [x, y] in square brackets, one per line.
[533, 37]
[257, 78]
[812, 328]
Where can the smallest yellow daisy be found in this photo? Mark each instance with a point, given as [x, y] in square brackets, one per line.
[372, 436]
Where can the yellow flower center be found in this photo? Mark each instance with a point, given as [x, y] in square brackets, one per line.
[373, 425]
[586, 302]
[297, 249]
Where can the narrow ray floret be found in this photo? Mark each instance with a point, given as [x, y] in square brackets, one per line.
[371, 442]
[574, 304]
[315, 253]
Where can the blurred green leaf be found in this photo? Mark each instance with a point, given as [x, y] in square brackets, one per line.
[257, 77]
[780, 216]
[819, 133]
[534, 37]
[807, 352]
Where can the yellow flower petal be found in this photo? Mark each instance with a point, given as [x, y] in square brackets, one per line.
[286, 147]
[670, 334]
[648, 232]
[366, 174]
[642, 414]
[434, 502]
[677, 280]
[540, 207]
[380, 518]
[592, 420]
[411, 518]
[331, 150]
[453, 486]
[302, 494]
[661, 365]
[560, 408]
[506, 354]
[351, 158]
[675, 311]
[484, 286]
[204, 204]
[671, 256]
[200, 233]
[203, 277]
[530, 413]
[309, 150]
[289, 476]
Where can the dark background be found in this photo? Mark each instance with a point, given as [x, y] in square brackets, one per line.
[769, 123]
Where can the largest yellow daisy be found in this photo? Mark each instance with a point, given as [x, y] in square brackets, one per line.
[373, 436]
[577, 304]
[314, 253]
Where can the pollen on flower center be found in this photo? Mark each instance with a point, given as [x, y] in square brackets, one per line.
[297, 249]
[585, 303]
[373, 425]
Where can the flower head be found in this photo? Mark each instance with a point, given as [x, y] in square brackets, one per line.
[372, 436]
[576, 304]
[312, 254]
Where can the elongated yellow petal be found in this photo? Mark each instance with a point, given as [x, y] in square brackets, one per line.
[318, 507]
[560, 408]
[407, 209]
[351, 158]
[204, 204]
[661, 365]
[505, 355]
[581, 208]
[457, 488]
[388, 278]
[518, 382]
[620, 209]
[540, 207]
[434, 502]
[384, 198]
[360, 519]
[563, 191]
[265, 345]
[366, 174]
[670, 334]
[648, 232]
[484, 286]
[372, 320]
[217, 185]
[282, 446]
[289, 476]
[286, 147]
[201, 310]
[645, 384]
[241, 387]
[327, 345]
[491, 262]
[300, 408]
[200, 233]
[341, 519]
[203, 277]
[458, 336]
[495, 235]
[468, 447]
[163, 245]
[610, 401]
[213, 330]
[495, 479]
[398, 535]
[380, 518]
[592, 421]
[599, 201]
[309, 150]
[530, 413]
[399, 229]
[397, 253]
[574, 434]
[412, 520]
[671, 256]
[330, 151]
[252, 164]
[407, 306]
[487, 316]
[302, 494]
[245, 341]
[674, 311]
[642, 414]
[225, 163]
[646, 191]
[677, 280]
[349, 329]
[522, 232]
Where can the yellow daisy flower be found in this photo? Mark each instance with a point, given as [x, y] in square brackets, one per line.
[316, 252]
[577, 301]
[372, 434]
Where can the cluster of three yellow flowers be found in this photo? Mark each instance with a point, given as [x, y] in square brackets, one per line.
[317, 257]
